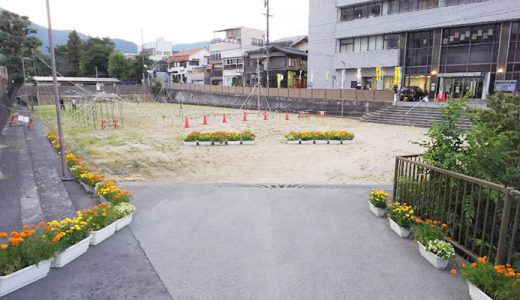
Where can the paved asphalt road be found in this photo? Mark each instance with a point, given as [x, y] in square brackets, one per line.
[259, 242]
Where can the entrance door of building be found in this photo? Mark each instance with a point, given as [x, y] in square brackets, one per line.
[457, 86]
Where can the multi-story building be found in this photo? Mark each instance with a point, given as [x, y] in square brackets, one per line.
[227, 52]
[287, 57]
[446, 47]
[160, 49]
[189, 66]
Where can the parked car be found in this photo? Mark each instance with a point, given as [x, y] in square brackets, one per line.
[411, 93]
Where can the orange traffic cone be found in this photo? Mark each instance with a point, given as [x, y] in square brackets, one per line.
[287, 116]
[245, 117]
[205, 122]
[265, 116]
[224, 119]
[187, 123]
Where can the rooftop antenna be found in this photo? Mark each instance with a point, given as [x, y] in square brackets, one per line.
[268, 15]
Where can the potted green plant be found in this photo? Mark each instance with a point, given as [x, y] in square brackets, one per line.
[124, 213]
[72, 239]
[25, 257]
[400, 218]
[429, 235]
[101, 222]
[487, 281]
[377, 202]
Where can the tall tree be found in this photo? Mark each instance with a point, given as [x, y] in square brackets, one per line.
[119, 66]
[95, 55]
[73, 47]
[16, 42]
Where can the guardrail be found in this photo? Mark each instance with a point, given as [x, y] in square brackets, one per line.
[327, 94]
[483, 217]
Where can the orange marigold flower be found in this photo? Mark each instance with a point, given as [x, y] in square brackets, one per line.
[42, 224]
[33, 226]
[453, 272]
[463, 265]
[28, 232]
[15, 234]
[482, 259]
[26, 226]
[3, 235]
[474, 265]
[4, 246]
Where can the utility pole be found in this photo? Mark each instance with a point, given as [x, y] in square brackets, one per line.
[142, 56]
[268, 15]
[25, 82]
[56, 97]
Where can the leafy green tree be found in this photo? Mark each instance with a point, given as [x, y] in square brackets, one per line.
[446, 147]
[16, 42]
[96, 52]
[74, 44]
[136, 67]
[119, 66]
[494, 142]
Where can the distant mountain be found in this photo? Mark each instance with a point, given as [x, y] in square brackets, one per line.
[180, 47]
[61, 37]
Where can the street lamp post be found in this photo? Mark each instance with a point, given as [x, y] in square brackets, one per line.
[64, 173]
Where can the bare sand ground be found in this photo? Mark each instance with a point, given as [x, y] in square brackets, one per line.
[150, 147]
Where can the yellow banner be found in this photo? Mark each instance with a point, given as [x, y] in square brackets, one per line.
[378, 73]
[397, 75]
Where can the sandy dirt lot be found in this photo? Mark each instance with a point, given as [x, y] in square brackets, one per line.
[150, 147]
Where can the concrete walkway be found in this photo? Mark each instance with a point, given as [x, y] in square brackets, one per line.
[257, 242]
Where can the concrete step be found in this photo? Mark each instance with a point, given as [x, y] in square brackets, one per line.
[408, 118]
[54, 199]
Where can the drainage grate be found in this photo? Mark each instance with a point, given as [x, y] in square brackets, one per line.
[282, 186]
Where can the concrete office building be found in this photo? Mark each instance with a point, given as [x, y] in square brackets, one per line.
[446, 47]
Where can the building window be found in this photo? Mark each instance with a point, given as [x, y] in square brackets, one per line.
[257, 42]
[194, 62]
[392, 41]
[346, 45]
[513, 59]
[419, 52]
[470, 49]
[350, 13]
[458, 2]
[401, 6]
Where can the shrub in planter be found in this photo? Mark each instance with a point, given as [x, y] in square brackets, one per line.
[111, 193]
[77, 170]
[247, 136]
[123, 209]
[90, 179]
[378, 198]
[19, 250]
[67, 232]
[441, 248]
[220, 136]
[99, 216]
[498, 282]
[72, 160]
[319, 135]
[428, 230]
[402, 214]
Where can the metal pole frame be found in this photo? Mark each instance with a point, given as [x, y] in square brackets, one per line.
[64, 174]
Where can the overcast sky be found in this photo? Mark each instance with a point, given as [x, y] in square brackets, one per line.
[182, 21]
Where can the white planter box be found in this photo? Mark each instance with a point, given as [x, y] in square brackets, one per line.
[103, 234]
[191, 143]
[307, 143]
[477, 294]
[87, 187]
[402, 232]
[322, 142]
[205, 143]
[218, 143]
[233, 142]
[248, 142]
[102, 199]
[334, 142]
[123, 222]
[346, 142]
[23, 277]
[293, 142]
[71, 253]
[380, 212]
[437, 262]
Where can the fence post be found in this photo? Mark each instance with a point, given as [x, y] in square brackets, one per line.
[395, 176]
[502, 237]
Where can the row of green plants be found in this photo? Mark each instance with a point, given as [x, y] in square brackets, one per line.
[39, 242]
[220, 136]
[500, 282]
[343, 135]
